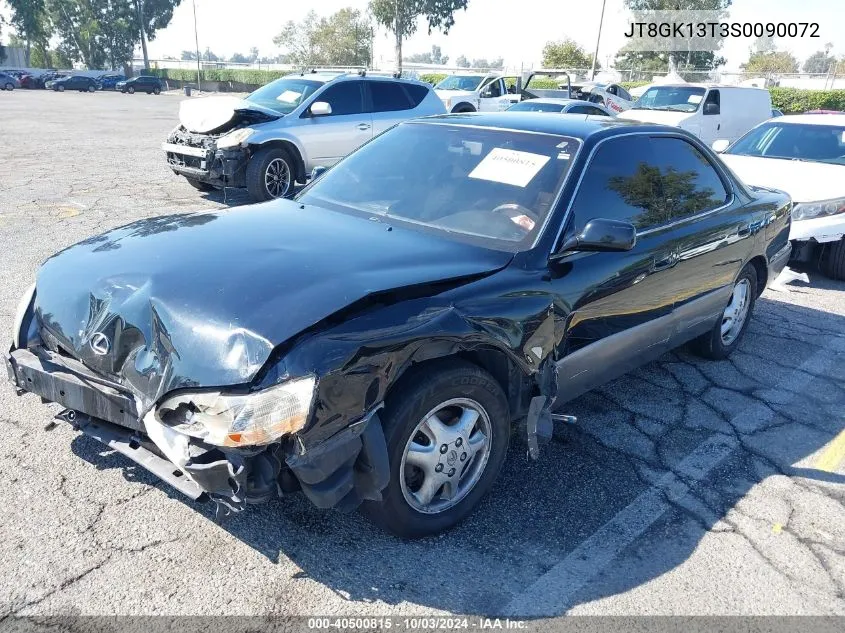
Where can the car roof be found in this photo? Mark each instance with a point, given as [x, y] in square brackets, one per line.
[706, 85]
[554, 101]
[575, 125]
[813, 119]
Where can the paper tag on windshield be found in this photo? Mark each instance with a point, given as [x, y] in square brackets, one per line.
[694, 99]
[288, 96]
[509, 166]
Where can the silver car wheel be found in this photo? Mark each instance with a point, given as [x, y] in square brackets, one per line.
[277, 178]
[445, 456]
[736, 313]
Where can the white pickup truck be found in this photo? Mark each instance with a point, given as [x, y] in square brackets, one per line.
[477, 92]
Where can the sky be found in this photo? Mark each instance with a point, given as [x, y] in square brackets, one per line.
[513, 29]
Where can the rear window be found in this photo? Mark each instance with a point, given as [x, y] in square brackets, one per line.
[416, 93]
[388, 96]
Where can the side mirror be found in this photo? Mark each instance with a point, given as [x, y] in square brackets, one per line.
[711, 108]
[320, 108]
[720, 145]
[601, 235]
[318, 171]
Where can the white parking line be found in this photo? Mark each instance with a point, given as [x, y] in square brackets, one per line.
[552, 593]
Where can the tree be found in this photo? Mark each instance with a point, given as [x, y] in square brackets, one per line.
[237, 58]
[189, 55]
[819, 62]
[401, 16]
[153, 15]
[434, 57]
[496, 64]
[253, 54]
[771, 62]
[209, 56]
[462, 62]
[566, 53]
[343, 39]
[685, 61]
[29, 18]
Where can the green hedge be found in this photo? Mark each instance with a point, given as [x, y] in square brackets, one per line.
[251, 77]
[793, 100]
[433, 78]
[630, 85]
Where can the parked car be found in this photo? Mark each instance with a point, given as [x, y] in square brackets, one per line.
[46, 80]
[82, 83]
[277, 135]
[142, 83]
[9, 82]
[109, 81]
[804, 155]
[711, 112]
[613, 96]
[476, 92]
[561, 106]
[374, 339]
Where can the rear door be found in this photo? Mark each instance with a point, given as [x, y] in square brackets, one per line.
[329, 138]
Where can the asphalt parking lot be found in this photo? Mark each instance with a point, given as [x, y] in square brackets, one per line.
[688, 487]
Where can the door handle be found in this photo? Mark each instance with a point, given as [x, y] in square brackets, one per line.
[363, 126]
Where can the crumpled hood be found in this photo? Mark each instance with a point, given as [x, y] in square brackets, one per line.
[201, 300]
[208, 114]
[804, 181]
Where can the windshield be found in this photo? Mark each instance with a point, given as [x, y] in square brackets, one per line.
[459, 82]
[796, 141]
[493, 187]
[532, 106]
[284, 95]
[674, 98]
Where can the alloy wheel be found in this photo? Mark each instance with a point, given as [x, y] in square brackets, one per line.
[445, 456]
[277, 178]
[736, 313]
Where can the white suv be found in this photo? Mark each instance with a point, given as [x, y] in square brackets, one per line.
[477, 92]
[277, 135]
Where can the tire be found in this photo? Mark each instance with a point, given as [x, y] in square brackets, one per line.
[832, 262]
[714, 344]
[130, 90]
[463, 109]
[92, 89]
[199, 185]
[156, 90]
[61, 88]
[448, 389]
[9, 87]
[257, 174]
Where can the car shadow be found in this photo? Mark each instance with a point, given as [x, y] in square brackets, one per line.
[232, 196]
[630, 433]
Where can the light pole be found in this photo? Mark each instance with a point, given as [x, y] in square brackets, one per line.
[598, 39]
[197, 42]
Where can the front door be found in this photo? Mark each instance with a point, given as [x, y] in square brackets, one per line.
[494, 97]
[329, 138]
[627, 308]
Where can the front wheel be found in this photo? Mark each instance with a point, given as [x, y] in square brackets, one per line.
[61, 88]
[92, 88]
[832, 262]
[725, 336]
[447, 429]
[130, 90]
[156, 90]
[9, 86]
[269, 174]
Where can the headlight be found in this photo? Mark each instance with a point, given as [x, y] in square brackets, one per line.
[241, 420]
[20, 314]
[807, 210]
[233, 139]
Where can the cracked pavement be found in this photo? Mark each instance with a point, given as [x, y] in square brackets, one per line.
[687, 487]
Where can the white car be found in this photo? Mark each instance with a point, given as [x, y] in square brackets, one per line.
[561, 106]
[803, 155]
[612, 96]
[476, 92]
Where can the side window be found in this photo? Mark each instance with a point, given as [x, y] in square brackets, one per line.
[647, 182]
[344, 98]
[612, 90]
[712, 103]
[595, 111]
[416, 93]
[388, 96]
[624, 94]
[579, 109]
[492, 89]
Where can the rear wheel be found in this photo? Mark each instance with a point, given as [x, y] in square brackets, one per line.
[9, 86]
[156, 90]
[199, 185]
[91, 88]
[447, 429]
[833, 260]
[725, 336]
[61, 88]
[269, 174]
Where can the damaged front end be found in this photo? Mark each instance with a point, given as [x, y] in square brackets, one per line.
[214, 153]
